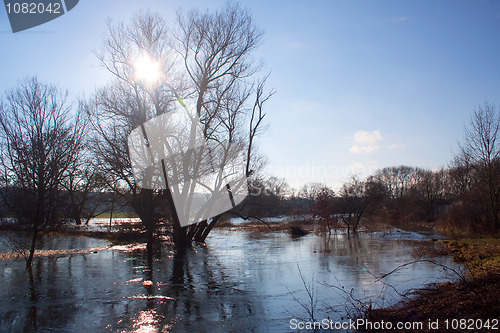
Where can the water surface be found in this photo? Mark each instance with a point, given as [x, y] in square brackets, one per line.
[239, 281]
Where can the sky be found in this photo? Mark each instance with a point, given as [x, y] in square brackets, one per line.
[360, 85]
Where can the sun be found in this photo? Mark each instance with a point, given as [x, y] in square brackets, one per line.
[147, 69]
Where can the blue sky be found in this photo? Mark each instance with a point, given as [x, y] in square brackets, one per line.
[360, 84]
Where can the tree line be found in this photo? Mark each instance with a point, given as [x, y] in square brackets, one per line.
[463, 196]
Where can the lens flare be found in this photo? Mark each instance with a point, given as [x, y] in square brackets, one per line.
[147, 69]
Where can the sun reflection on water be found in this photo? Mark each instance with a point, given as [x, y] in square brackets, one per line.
[146, 322]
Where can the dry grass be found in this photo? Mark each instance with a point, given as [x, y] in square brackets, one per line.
[481, 255]
[473, 298]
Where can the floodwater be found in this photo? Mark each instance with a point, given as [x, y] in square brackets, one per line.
[239, 282]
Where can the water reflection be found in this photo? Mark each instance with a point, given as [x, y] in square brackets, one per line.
[239, 282]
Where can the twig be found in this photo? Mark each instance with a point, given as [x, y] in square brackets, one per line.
[247, 218]
[460, 275]
[311, 294]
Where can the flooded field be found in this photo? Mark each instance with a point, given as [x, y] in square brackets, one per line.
[240, 281]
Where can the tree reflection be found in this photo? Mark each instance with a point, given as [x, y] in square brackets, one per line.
[236, 283]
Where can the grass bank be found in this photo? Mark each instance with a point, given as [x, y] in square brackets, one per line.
[116, 238]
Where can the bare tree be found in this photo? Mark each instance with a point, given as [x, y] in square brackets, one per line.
[278, 187]
[461, 174]
[353, 203]
[217, 51]
[431, 185]
[311, 190]
[40, 144]
[481, 149]
[206, 62]
[323, 207]
[81, 187]
[398, 180]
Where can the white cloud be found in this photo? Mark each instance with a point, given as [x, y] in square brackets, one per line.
[366, 137]
[366, 142]
[358, 149]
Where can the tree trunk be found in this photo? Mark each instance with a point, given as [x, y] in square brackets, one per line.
[78, 219]
[492, 195]
[33, 244]
[148, 220]
[110, 216]
[180, 240]
[199, 232]
[209, 228]
[39, 219]
[191, 231]
[180, 233]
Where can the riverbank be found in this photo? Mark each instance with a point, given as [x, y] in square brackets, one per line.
[473, 299]
[291, 224]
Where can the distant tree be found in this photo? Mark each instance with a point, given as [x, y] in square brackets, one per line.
[82, 188]
[267, 197]
[40, 145]
[431, 185]
[354, 201]
[310, 191]
[323, 207]
[429, 193]
[387, 179]
[278, 186]
[398, 180]
[376, 191]
[461, 175]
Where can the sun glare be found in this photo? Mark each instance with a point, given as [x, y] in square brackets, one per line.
[147, 69]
